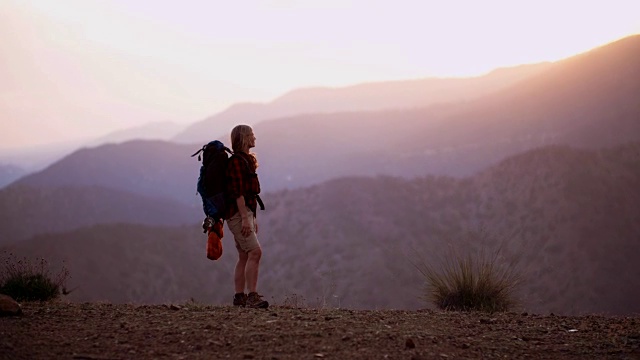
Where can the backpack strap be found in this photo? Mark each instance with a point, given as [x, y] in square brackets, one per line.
[216, 143]
[260, 203]
[198, 152]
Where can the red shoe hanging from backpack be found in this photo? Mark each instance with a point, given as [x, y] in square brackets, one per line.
[214, 241]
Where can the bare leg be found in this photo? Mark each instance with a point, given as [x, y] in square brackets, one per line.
[239, 276]
[253, 263]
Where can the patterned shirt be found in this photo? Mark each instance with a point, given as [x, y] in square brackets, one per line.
[242, 180]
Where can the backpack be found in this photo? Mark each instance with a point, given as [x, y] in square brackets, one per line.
[212, 182]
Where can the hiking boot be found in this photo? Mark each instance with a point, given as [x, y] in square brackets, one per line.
[255, 301]
[240, 299]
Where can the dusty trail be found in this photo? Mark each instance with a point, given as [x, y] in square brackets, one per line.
[60, 330]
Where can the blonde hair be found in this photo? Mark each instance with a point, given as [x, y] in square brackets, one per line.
[240, 141]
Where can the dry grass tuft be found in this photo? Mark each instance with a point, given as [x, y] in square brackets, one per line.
[25, 280]
[471, 282]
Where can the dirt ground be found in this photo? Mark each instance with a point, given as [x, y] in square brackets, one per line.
[60, 330]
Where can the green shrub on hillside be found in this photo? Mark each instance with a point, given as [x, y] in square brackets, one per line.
[24, 280]
[471, 283]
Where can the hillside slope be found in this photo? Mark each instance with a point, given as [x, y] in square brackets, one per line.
[27, 211]
[126, 263]
[153, 168]
[567, 218]
[10, 173]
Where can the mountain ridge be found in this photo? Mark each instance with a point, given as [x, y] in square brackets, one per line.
[160, 130]
[384, 95]
[145, 167]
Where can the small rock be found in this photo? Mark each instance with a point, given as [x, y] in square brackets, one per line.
[318, 355]
[409, 344]
[9, 307]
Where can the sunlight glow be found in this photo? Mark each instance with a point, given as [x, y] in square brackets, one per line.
[89, 66]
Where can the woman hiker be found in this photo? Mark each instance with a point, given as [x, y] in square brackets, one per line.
[243, 187]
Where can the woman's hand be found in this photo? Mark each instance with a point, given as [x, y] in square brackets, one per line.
[246, 226]
[244, 214]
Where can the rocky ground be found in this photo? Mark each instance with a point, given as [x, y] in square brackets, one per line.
[60, 330]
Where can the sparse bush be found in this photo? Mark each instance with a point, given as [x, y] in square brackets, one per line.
[25, 280]
[471, 283]
[294, 301]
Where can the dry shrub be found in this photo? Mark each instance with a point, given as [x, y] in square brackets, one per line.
[471, 282]
[25, 280]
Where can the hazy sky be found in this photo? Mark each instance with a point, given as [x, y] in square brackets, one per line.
[74, 68]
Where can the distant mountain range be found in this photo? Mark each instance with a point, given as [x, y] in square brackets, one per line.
[151, 168]
[590, 101]
[152, 131]
[370, 96]
[379, 96]
[38, 157]
[566, 218]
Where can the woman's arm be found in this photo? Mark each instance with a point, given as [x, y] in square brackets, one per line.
[244, 214]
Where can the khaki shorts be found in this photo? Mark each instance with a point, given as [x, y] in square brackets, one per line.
[243, 243]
